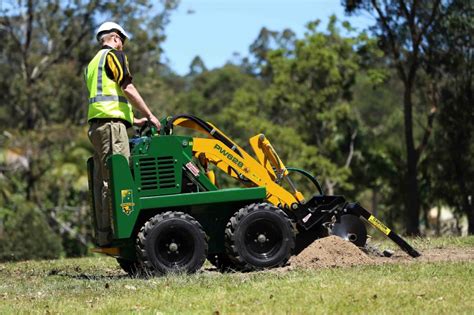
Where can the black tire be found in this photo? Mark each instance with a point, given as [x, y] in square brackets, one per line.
[259, 236]
[171, 242]
[222, 262]
[129, 266]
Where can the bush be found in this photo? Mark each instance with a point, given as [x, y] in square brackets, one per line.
[26, 235]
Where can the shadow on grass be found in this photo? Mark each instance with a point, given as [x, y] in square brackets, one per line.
[87, 276]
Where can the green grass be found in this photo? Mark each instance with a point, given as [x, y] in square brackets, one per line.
[423, 243]
[96, 285]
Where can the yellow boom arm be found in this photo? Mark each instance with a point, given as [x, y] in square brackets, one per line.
[267, 171]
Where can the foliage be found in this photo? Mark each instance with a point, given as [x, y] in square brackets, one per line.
[46, 45]
[26, 233]
[410, 33]
[303, 107]
[310, 92]
[452, 170]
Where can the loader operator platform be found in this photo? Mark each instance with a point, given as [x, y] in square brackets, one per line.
[112, 97]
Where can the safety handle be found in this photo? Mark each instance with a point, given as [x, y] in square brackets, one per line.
[148, 129]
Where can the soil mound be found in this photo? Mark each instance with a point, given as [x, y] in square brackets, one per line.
[331, 251]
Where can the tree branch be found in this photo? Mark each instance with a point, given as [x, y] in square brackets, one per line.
[391, 37]
[6, 22]
[329, 186]
[432, 16]
[48, 61]
[64, 53]
[29, 24]
[66, 228]
[426, 135]
[351, 149]
[410, 16]
[405, 10]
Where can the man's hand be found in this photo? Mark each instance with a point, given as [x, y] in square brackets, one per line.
[137, 101]
[139, 121]
[155, 121]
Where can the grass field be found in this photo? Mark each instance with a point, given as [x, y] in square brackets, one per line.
[96, 284]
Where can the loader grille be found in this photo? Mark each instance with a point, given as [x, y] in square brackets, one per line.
[166, 172]
[157, 172]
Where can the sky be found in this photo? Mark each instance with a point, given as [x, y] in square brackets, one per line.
[216, 29]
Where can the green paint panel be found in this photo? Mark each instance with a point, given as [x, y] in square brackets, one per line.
[125, 201]
[90, 178]
[159, 163]
[128, 200]
[206, 197]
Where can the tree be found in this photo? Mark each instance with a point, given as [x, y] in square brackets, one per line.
[45, 40]
[45, 46]
[452, 170]
[403, 27]
[380, 164]
[39, 35]
[26, 234]
[303, 107]
[266, 41]
[197, 66]
[310, 90]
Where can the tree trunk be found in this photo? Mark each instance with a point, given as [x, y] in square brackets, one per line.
[412, 202]
[438, 220]
[468, 209]
[375, 202]
[466, 203]
[470, 216]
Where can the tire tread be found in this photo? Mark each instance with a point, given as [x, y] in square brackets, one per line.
[230, 238]
[143, 255]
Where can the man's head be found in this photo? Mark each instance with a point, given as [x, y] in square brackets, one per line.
[111, 34]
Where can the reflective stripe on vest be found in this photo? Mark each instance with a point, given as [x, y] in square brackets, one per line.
[101, 70]
[106, 98]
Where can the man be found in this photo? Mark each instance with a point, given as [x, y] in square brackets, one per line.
[111, 97]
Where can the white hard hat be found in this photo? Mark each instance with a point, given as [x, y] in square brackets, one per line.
[108, 27]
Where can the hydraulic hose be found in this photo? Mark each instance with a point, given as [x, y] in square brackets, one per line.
[207, 127]
[309, 176]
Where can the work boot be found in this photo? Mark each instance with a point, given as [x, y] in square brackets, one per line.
[104, 237]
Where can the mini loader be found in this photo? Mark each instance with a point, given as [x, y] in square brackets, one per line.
[169, 214]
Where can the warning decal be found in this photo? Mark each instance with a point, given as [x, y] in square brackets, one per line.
[379, 225]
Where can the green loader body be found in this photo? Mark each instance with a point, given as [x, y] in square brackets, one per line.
[169, 215]
[156, 182]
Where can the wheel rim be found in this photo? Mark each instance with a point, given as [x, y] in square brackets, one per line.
[263, 238]
[174, 247]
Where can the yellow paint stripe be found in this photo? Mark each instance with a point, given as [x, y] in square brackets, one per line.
[112, 251]
[118, 67]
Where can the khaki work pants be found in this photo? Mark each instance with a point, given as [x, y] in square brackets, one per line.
[107, 138]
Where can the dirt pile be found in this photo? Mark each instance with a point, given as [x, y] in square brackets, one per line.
[330, 251]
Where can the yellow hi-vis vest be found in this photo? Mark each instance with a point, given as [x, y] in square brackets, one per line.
[106, 98]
